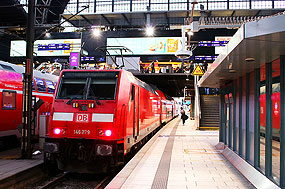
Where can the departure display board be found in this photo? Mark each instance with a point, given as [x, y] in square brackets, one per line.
[52, 47]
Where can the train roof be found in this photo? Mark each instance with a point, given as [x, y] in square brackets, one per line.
[132, 77]
[20, 69]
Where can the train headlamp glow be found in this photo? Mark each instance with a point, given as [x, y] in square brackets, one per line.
[91, 105]
[108, 132]
[56, 131]
[75, 105]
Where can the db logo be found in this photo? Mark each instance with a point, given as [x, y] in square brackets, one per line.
[82, 117]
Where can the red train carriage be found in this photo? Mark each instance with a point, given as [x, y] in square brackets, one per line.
[11, 90]
[275, 97]
[97, 117]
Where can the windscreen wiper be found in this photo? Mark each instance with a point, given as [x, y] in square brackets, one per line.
[95, 98]
[70, 100]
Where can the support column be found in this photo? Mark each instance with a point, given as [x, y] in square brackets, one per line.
[240, 118]
[230, 123]
[234, 116]
[225, 121]
[268, 121]
[256, 118]
[282, 121]
[27, 84]
[222, 115]
[247, 135]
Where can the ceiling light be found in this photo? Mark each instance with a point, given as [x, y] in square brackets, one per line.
[96, 32]
[47, 35]
[249, 59]
[190, 33]
[149, 31]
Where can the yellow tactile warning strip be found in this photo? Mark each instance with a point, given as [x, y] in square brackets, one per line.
[161, 175]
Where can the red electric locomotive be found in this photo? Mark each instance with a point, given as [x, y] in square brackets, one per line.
[11, 91]
[98, 116]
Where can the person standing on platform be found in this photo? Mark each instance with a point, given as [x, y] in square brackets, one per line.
[183, 115]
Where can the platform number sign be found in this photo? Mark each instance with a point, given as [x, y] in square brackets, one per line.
[82, 117]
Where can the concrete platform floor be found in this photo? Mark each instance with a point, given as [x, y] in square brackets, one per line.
[180, 157]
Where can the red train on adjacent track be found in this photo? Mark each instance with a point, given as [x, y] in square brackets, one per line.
[100, 116]
[11, 98]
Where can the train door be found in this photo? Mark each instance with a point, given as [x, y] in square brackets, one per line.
[135, 95]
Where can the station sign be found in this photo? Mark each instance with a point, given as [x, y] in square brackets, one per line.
[198, 71]
[74, 59]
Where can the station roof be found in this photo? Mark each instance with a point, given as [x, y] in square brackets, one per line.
[159, 18]
[253, 45]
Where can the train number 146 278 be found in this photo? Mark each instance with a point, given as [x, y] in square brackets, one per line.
[82, 132]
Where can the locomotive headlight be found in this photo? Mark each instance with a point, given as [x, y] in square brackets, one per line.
[91, 105]
[108, 132]
[75, 105]
[56, 131]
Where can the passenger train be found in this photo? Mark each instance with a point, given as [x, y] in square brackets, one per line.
[11, 98]
[99, 116]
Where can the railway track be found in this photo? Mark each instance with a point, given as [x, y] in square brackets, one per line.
[72, 180]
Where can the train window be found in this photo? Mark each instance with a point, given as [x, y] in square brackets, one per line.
[72, 88]
[41, 87]
[33, 86]
[9, 100]
[133, 93]
[9, 68]
[50, 86]
[103, 89]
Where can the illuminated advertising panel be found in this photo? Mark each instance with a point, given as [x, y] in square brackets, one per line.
[146, 45]
[52, 47]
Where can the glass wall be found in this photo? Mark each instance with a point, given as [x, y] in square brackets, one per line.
[242, 131]
[239, 4]
[261, 4]
[105, 6]
[237, 115]
[251, 119]
[276, 120]
[262, 100]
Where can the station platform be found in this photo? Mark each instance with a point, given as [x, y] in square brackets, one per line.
[180, 157]
[14, 170]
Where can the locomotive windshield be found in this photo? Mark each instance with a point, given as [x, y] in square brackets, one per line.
[88, 85]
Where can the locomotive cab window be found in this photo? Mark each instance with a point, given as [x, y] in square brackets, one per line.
[88, 85]
[9, 100]
[102, 89]
[72, 88]
[41, 87]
